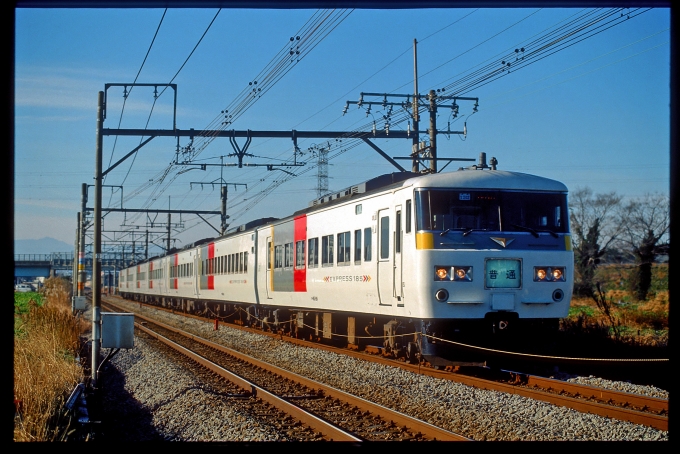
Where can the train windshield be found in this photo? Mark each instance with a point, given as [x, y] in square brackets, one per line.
[471, 210]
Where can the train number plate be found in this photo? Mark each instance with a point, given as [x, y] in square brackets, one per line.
[503, 273]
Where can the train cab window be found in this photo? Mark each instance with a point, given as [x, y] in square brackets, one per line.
[448, 209]
[384, 237]
[344, 248]
[313, 251]
[368, 240]
[327, 250]
[300, 255]
[357, 247]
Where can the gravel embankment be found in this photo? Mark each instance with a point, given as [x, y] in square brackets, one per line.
[178, 410]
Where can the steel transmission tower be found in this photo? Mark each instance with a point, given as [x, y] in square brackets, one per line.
[322, 173]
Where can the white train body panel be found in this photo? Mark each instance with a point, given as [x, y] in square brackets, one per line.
[226, 270]
[393, 251]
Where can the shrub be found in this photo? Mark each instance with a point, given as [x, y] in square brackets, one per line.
[46, 346]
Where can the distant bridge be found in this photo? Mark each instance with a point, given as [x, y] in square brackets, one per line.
[46, 265]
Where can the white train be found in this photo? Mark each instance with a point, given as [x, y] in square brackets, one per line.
[477, 249]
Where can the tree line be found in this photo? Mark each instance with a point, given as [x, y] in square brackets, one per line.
[607, 229]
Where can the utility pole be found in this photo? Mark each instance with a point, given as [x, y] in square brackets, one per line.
[97, 245]
[433, 131]
[414, 149]
[74, 268]
[81, 246]
[419, 152]
[167, 248]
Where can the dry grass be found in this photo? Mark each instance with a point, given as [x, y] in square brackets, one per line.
[46, 345]
[638, 322]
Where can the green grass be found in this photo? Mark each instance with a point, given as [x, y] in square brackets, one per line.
[578, 310]
[22, 305]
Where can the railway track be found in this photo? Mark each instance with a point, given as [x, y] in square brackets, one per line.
[652, 412]
[334, 414]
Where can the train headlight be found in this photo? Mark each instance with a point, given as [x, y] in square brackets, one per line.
[453, 273]
[441, 273]
[462, 273]
[549, 274]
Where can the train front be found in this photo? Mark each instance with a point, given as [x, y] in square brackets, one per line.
[493, 252]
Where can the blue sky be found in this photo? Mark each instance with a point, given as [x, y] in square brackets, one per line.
[596, 114]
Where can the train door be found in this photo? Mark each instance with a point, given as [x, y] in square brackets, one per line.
[269, 274]
[198, 269]
[398, 260]
[385, 260]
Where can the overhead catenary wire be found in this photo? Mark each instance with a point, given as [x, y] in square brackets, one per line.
[547, 44]
[321, 24]
[122, 110]
[569, 32]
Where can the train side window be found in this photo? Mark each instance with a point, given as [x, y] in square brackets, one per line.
[240, 263]
[357, 247]
[408, 216]
[368, 240]
[288, 258]
[313, 250]
[245, 262]
[300, 255]
[327, 250]
[384, 237]
[269, 255]
[397, 246]
[344, 248]
[278, 256]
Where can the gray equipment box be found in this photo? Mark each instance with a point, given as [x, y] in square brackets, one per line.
[118, 330]
[79, 303]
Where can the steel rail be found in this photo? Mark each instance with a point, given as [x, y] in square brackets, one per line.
[428, 430]
[648, 403]
[657, 421]
[327, 429]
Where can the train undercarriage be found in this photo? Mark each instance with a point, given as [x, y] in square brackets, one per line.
[441, 343]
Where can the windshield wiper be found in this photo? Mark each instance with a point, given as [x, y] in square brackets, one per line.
[535, 232]
[445, 232]
[528, 229]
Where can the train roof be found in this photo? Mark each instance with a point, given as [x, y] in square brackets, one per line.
[487, 179]
[465, 178]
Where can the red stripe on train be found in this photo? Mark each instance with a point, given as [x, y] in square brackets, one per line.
[300, 234]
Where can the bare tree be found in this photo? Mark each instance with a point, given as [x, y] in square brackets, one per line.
[645, 223]
[595, 228]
